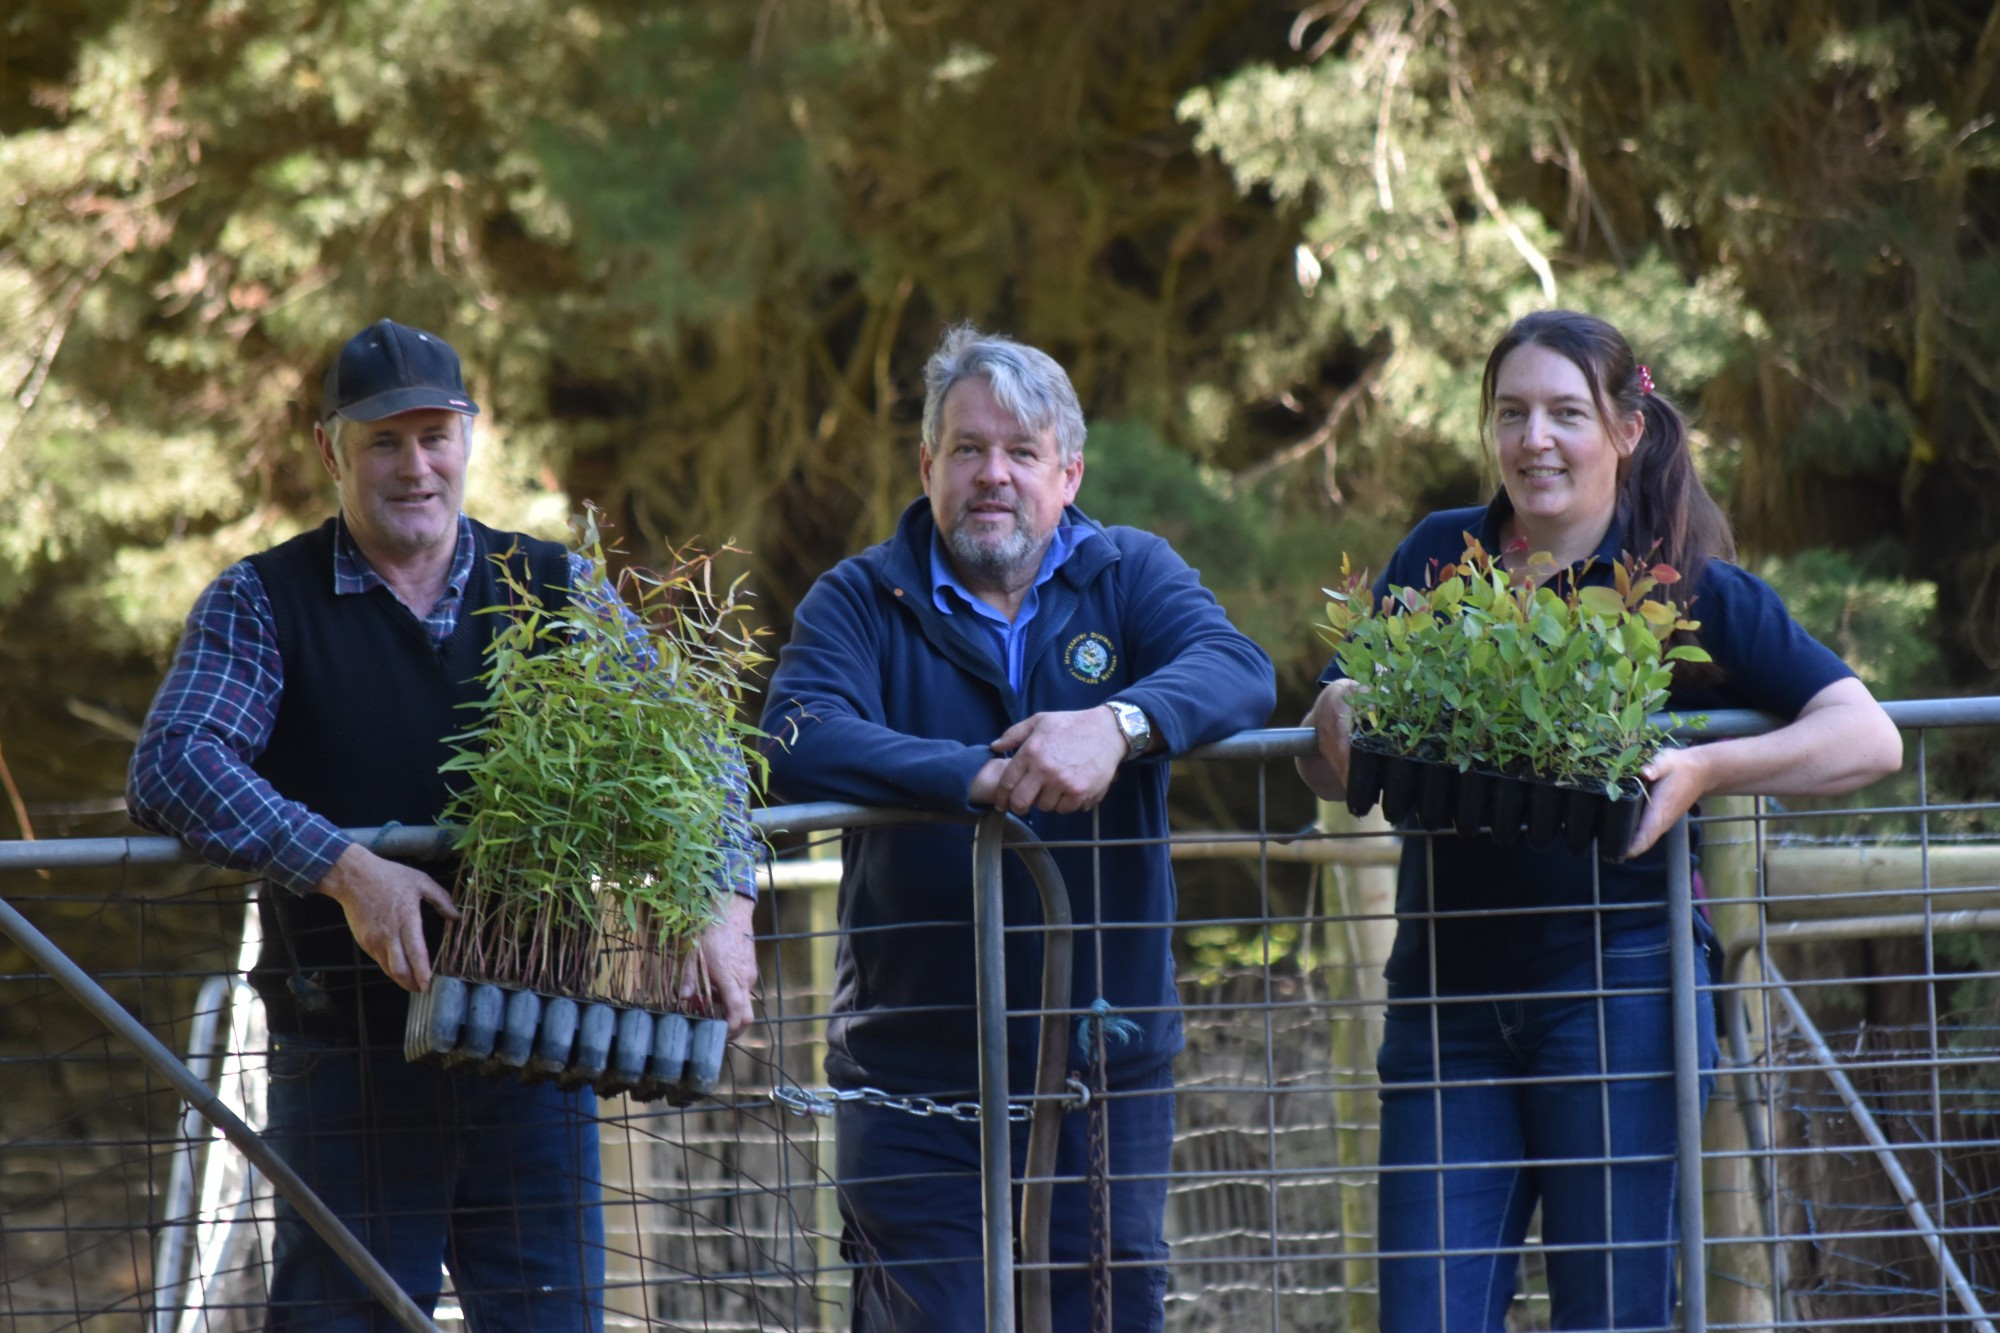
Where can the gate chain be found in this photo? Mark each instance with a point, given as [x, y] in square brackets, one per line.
[1099, 1184]
[823, 1101]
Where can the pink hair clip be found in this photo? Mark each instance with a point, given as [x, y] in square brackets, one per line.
[1645, 382]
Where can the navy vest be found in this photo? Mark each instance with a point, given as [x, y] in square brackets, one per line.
[362, 725]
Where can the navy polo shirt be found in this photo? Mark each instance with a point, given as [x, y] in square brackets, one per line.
[1767, 663]
[1009, 637]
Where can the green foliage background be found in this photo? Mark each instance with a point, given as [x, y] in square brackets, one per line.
[694, 255]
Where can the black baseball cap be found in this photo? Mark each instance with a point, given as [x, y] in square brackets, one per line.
[389, 368]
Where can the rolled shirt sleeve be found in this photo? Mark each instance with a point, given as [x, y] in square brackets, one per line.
[191, 774]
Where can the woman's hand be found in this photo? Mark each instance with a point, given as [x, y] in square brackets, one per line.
[1332, 721]
[1840, 740]
[1676, 779]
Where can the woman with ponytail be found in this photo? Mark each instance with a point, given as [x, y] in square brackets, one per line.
[1527, 1045]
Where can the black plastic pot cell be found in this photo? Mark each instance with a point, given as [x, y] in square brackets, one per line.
[518, 1025]
[1582, 809]
[1621, 821]
[553, 1041]
[484, 1008]
[596, 1029]
[1468, 810]
[417, 1027]
[1365, 768]
[1505, 807]
[671, 1037]
[629, 1052]
[435, 1016]
[704, 1065]
[1437, 792]
[1400, 777]
[1545, 814]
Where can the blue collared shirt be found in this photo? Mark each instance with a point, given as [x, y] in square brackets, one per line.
[191, 773]
[1009, 638]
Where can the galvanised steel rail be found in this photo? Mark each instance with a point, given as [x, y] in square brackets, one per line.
[418, 844]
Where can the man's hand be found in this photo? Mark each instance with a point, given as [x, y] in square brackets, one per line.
[729, 957]
[384, 905]
[1061, 761]
[986, 782]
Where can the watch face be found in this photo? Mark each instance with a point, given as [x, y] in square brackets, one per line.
[1132, 722]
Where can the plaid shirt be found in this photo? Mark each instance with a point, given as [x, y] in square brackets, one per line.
[191, 774]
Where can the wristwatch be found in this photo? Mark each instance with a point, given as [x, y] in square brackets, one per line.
[1138, 732]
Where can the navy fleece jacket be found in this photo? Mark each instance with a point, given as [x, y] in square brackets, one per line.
[881, 700]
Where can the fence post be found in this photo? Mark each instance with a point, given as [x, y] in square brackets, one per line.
[1687, 1079]
[1746, 1290]
[832, 1279]
[996, 1157]
[1361, 905]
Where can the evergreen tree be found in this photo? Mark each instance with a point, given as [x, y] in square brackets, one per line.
[694, 255]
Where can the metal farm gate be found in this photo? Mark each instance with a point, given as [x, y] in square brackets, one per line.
[1850, 1158]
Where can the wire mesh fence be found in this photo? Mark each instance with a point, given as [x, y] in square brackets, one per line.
[121, 1209]
[1849, 1249]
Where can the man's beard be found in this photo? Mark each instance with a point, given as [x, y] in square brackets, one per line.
[992, 561]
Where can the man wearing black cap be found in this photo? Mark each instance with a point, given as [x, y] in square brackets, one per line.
[313, 691]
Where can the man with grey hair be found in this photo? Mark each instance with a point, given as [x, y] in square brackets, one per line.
[1002, 650]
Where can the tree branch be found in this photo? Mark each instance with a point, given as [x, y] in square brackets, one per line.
[1322, 440]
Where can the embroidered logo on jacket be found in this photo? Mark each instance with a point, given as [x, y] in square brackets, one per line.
[1090, 658]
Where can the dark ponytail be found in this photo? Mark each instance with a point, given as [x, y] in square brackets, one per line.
[1662, 504]
[1664, 511]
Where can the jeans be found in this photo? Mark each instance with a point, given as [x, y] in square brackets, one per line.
[432, 1169]
[910, 1198]
[1513, 1137]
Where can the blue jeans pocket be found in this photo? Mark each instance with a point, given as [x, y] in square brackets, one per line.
[293, 1057]
[1637, 960]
